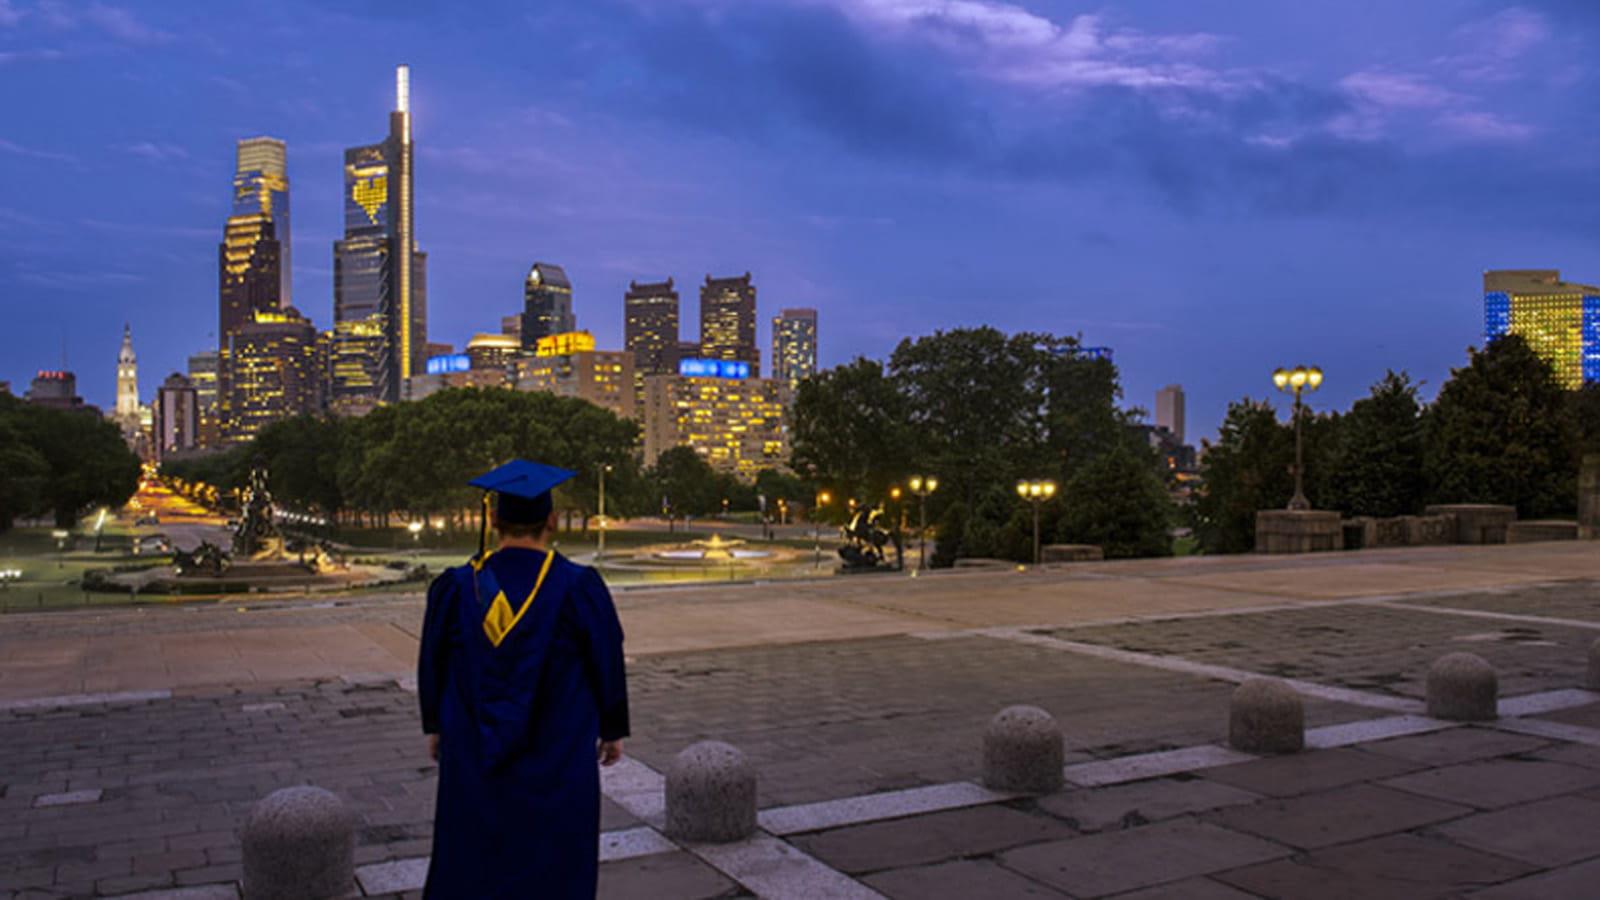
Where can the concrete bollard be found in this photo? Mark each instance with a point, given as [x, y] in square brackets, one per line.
[1594, 665]
[299, 844]
[1023, 751]
[711, 794]
[1266, 716]
[1463, 687]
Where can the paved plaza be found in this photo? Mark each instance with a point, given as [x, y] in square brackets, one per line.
[135, 740]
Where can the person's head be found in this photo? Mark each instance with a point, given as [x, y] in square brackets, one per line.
[523, 531]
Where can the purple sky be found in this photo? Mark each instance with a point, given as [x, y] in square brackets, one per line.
[1213, 189]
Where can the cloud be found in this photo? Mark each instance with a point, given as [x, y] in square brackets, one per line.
[42, 54]
[1484, 126]
[155, 151]
[17, 149]
[124, 26]
[1394, 90]
[9, 15]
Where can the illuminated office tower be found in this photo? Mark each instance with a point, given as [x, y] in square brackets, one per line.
[1559, 320]
[728, 320]
[277, 365]
[546, 304]
[177, 417]
[254, 255]
[650, 329]
[735, 423]
[380, 306]
[794, 346]
[1169, 410]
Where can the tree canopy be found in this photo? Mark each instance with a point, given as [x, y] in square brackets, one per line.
[62, 463]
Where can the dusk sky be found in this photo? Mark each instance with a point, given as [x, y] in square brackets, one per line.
[1213, 189]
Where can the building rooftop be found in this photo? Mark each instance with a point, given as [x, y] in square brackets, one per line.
[1532, 281]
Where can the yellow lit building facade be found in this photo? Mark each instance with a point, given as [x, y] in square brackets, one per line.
[736, 424]
[728, 320]
[276, 365]
[1559, 320]
[602, 377]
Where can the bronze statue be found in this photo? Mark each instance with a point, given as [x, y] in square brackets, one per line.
[257, 537]
[865, 538]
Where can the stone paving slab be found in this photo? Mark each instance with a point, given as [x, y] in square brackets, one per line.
[1189, 889]
[929, 838]
[1396, 867]
[1498, 783]
[1541, 833]
[1140, 803]
[1568, 600]
[957, 880]
[1339, 816]
[1457, 745]
[1567, 883]
[1382, 649]
[1305, 773]
[1114, 862]
[668, 876]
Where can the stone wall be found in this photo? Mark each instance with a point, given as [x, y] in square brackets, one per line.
[1478, 523]
[1298, 531]
[1589, 497]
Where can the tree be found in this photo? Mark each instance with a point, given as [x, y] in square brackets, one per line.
[687, 484]
[89, 463]
[849, 430]
[1500, 432]
[1379, 457]
[1119, 501]
[1246, 470]
[24, 472]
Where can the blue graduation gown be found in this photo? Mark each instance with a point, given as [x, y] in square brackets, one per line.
[518, 809]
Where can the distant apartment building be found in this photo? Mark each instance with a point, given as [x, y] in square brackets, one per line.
[602, 377]
[1560, 320]
[56, 389]
[794, 346]
[177, 417]
[277, 366]
[650, 326]
[1169, 410]
[735, 423]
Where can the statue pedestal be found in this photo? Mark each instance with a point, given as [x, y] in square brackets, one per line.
[1298, 531]
[1478, 523]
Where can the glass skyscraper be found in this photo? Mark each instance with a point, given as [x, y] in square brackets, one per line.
[1559, 320]
[253, 258]
[379, 278]
[794, 346]
[728, 320]
[546, 304]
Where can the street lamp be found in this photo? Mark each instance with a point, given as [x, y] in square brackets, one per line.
[416, 537]
[61, 535]
[1296, 380]
[823, 499]
[1036, 492]
[922, 487]
[600, 551]
[9, 575]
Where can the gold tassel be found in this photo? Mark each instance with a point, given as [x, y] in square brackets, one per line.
[483, 526]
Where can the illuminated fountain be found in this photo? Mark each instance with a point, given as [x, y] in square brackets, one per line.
[713, 549]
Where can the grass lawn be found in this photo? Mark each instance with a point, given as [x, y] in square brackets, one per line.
[50, 577]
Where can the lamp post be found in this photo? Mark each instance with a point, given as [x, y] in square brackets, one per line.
[416, 538]
[61, 535]
[922, 487]
[816, 524]
[1036, 492]
[1296, 380]
[600, 551]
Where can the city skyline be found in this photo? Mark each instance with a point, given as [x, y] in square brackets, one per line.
[1337, 212]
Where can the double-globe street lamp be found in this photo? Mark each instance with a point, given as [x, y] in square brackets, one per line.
[1036, 492]
[823, 499]
[600, 550]
[1296, 380]
[922, 487]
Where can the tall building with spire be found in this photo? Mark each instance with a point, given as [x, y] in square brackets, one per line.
[127, 408]
[380, 308]
[728, 320]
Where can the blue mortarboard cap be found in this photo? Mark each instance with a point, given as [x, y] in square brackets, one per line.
[523, 489]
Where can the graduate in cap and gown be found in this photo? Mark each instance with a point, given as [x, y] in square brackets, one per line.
[523, 692]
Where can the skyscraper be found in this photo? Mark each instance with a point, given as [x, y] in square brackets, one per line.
[380, 333]
[127, 408]
[650, 329]
[546, 304]
[728, 320]
[1169, 410]
[1558, 319]
[794, 346]
[253, 258]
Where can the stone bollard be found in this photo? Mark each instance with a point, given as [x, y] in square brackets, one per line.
[711, 794]
[1594, 665]
[1023, 751]
[1266, 716]
[1463, 687]
[299, 844]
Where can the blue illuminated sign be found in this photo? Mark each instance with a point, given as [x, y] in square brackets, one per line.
[443, 365]
[713, 368]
